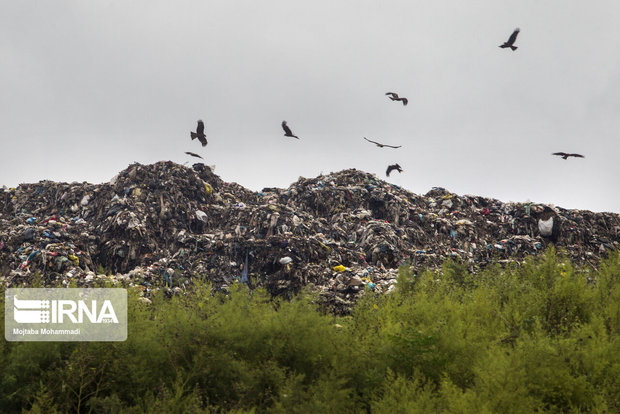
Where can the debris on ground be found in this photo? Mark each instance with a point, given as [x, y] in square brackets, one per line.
[162, 225]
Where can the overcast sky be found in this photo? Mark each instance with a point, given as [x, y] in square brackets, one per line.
[89, 87]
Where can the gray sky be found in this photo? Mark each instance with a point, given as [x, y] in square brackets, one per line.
[88, 87]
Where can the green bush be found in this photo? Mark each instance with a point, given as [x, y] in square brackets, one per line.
[540, 336]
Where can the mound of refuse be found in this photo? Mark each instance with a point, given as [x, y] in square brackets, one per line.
[162, 225]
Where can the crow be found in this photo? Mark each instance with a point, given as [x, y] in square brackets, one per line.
[394, 96]
[393, 167]
[193, 154]
[565, 155]
[287, 131]
[382, 145]
[200, 133]
[511, 40]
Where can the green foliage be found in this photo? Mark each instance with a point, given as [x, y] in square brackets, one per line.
[540, 336]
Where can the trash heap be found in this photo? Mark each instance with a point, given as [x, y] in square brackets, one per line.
[162, 225]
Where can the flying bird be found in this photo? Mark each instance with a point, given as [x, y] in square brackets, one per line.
[394, 96]
[565, 155]
[200, 133]
[287, 131]
[193, 154]
[382, 145]
[511, 40]
[393, 167]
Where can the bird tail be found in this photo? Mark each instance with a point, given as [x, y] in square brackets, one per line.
[514, 47]
[193, 135]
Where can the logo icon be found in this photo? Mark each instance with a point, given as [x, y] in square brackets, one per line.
[31, 311]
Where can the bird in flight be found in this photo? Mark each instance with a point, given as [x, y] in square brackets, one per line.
[565, 155]
[200, 133]
[511, 40]
[382, 145]
[393, 167]
[287, 131]
[193, 154]
[394, 96]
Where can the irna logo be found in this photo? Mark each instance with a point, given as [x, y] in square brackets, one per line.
[61, 311]
[65, 314]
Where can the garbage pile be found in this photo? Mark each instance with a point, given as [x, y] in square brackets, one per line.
[162, 225]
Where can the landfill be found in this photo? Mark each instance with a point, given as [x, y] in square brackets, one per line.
[163, 225]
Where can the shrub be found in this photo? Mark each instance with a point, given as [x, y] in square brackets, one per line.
[540, 336]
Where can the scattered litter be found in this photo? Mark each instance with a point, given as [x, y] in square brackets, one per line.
[162, 225]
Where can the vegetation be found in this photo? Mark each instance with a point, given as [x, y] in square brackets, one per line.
[542, 336]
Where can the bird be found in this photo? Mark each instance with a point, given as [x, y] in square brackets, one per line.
[549, 224]
[382, 145]
[565, 155]
[200, 133]
[393, 167]
[287, 131]
[511, 40]
[193, 154]
[394, 96]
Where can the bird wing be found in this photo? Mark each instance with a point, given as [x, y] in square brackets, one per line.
[405, 101]
[374, 142]
[200, 129]
[561, 154]
[513, 36]
[389, 170]
[392, 146]
[287, 130]
[193, 154]
[202, 139]
[576, 155]
[394, 95]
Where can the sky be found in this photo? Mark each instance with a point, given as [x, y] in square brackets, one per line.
[89, 87]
